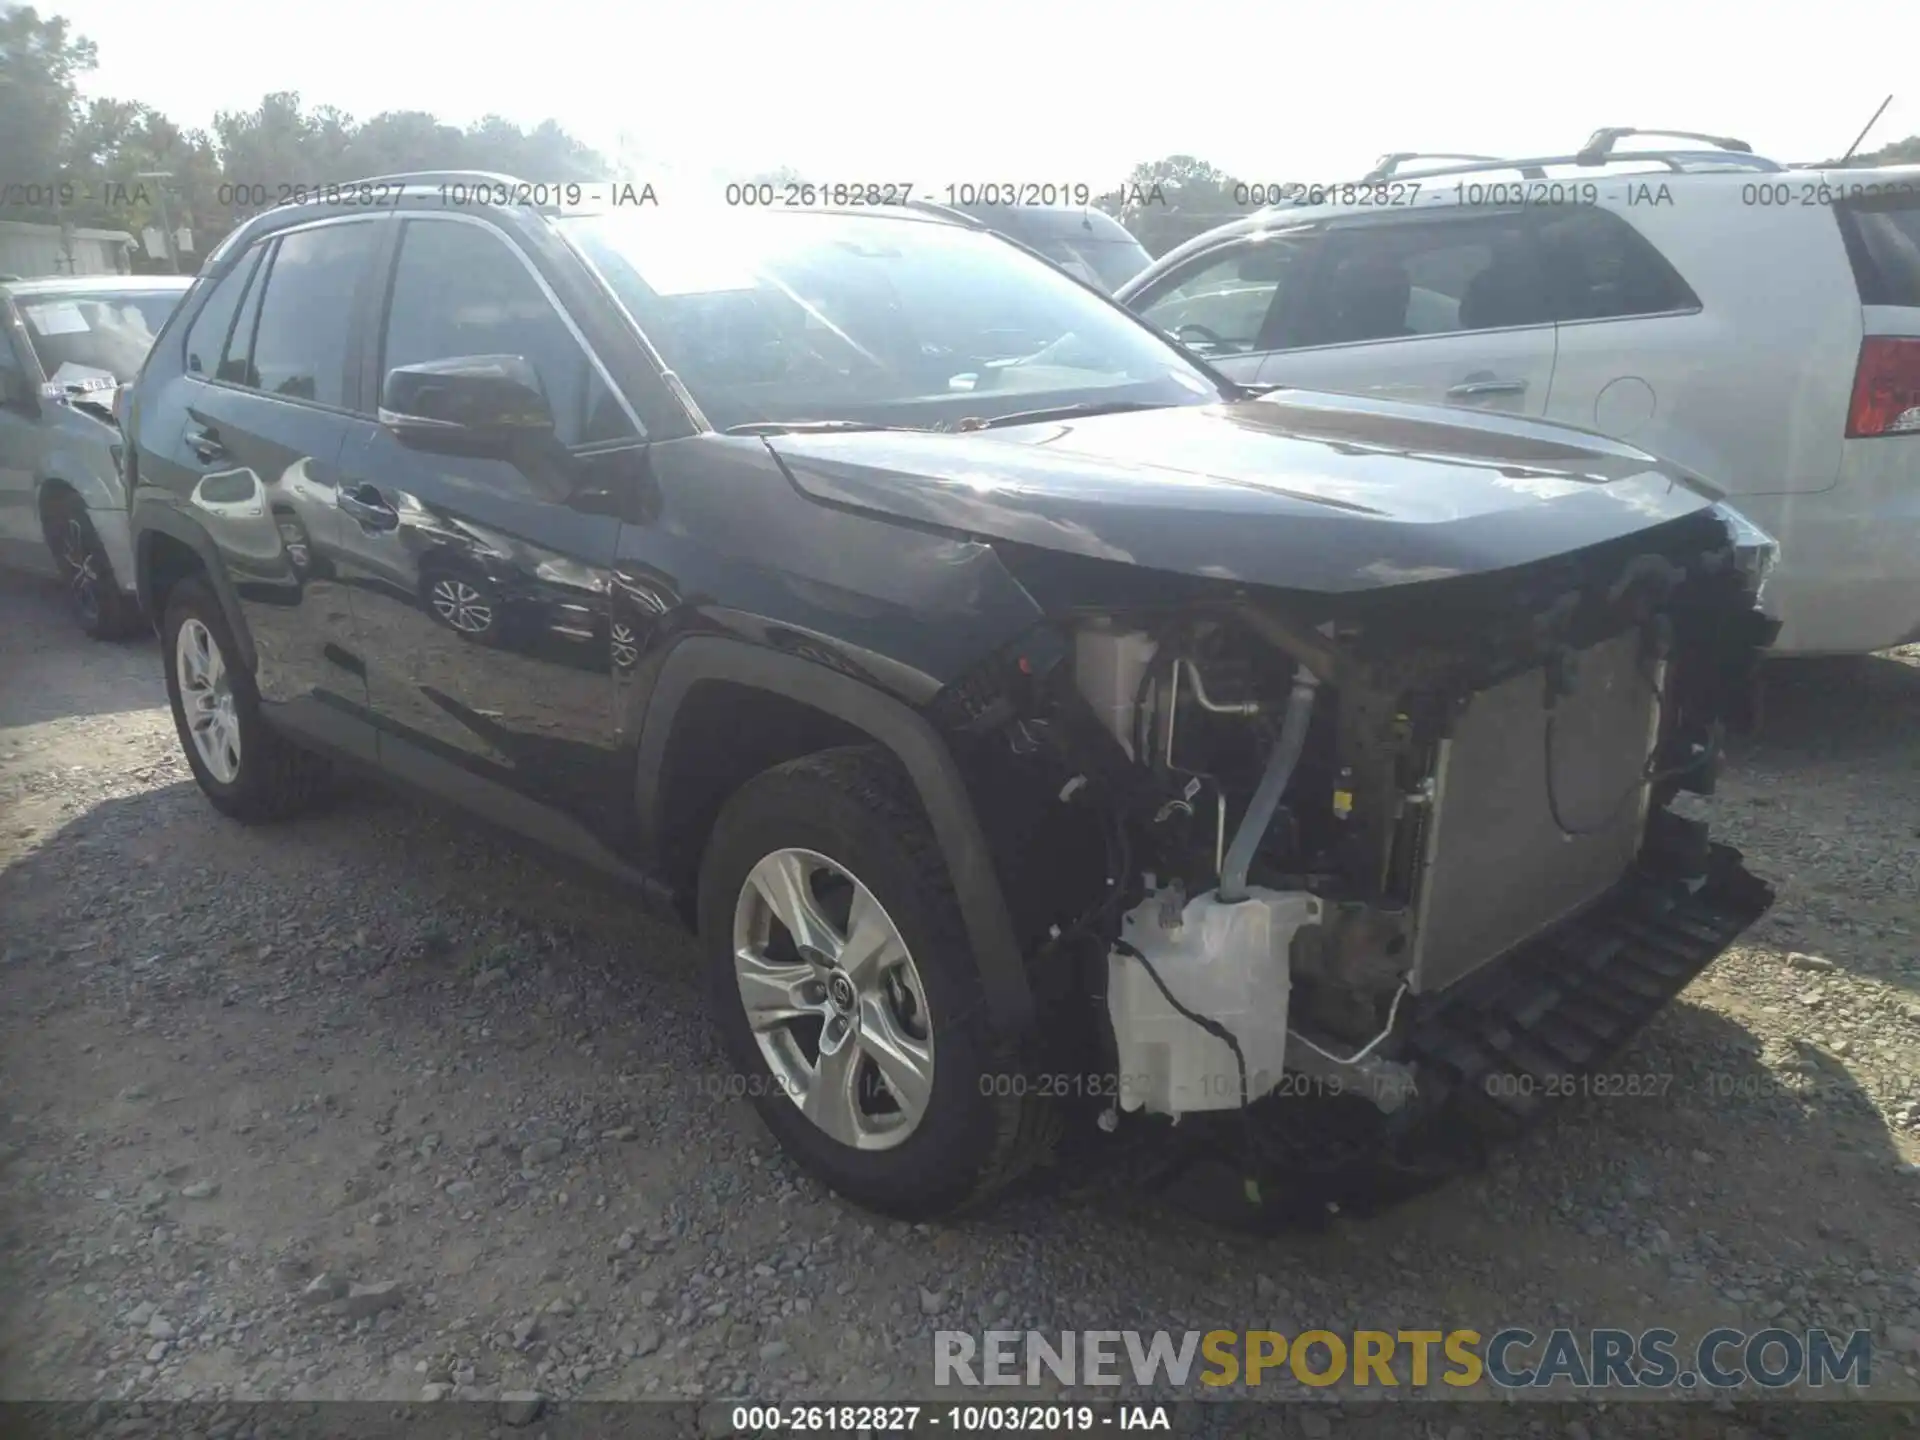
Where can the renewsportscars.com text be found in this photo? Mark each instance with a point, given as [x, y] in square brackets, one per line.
[1511, 1358]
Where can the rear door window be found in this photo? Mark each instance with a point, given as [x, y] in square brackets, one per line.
[1600, 268]
[207, 335]
[296, 337]
[1883, 242]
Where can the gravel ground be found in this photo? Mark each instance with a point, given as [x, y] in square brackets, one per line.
[379, 1106]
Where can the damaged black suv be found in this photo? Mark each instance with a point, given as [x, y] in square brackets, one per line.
[1045, 735]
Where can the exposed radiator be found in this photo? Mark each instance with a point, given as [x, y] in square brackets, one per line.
[1498, 868]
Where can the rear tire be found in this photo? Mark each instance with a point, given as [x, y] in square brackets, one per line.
[247, 769]
[961, 1126]
[104, 611]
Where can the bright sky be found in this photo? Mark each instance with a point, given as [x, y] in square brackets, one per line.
[1069, 91]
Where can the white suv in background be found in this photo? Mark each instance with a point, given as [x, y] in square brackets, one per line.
[1756, 324]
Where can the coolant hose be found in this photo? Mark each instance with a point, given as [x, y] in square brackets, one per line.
[1273, 784]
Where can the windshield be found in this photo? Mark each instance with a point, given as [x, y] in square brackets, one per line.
[90, 336]
[872, 319]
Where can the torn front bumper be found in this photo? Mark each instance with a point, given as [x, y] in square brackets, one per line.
[1507, 1041]
[1491, 1056]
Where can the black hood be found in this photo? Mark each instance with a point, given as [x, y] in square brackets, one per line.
[1299, 490]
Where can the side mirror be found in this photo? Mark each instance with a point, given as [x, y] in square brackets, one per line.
[466, 405]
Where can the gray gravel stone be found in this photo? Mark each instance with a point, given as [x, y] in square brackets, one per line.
[521, 1407]
[1801, 961]
[323, 1288]
[541, 1151]
[363, 1301]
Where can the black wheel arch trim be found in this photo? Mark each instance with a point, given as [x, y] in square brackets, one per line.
[148, 522]
[918, 747]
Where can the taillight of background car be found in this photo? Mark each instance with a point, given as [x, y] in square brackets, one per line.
[1886, 388]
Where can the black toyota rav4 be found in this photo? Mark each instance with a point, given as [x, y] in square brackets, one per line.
[1045, 736]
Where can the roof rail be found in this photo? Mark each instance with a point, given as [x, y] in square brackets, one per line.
[1599, 150]
[1599, 145]
[1534, 167]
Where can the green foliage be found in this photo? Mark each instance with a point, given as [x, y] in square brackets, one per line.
[1167, 202]
[89, 157]
[40, 62]
[1901, 152]
[102, 148]
[113, 144]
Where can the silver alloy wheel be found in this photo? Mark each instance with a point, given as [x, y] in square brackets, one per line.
[462, 606]
[837, 1008]
[207, 698]
[83, 574]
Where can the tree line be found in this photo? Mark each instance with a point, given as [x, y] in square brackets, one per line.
[82, 163]
[92, 163]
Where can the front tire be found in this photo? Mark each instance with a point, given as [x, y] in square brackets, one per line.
[247, 769]
[846, 995]
[93, 590]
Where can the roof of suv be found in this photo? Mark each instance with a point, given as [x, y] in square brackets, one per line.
[1498, 183]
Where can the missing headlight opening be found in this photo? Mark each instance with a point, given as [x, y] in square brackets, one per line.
[1337, 864]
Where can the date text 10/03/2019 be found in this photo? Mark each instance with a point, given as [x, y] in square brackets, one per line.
[770, 194]
[254, 196]
[979, 1419]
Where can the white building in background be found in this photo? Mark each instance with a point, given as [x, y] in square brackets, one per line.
[30, 251]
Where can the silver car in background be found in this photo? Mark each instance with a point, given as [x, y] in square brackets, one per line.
[67, 345]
